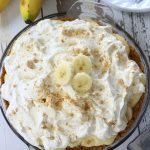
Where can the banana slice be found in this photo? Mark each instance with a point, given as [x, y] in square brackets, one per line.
[134, 100]
[94, 141]
[82, 82]
[63, 74]
[124, 42]
[110, 140]
[82, 63]
[75, 143]
[129, 113]
[91, 141]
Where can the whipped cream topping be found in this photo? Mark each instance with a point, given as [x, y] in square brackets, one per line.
[54, 116]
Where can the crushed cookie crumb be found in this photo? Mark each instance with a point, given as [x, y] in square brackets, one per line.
[62, 40]
[87, 106]
[6, 104]
[95, 52]
[14, 85]
[121, 82]
[112, 123]
[30, 47]
[75, 32]
[43, 100]
[30, 64]
[35, 60]
[29, 128]
[71, 114]
[102, 102]
[55, 100]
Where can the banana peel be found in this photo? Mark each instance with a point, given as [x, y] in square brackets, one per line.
[3, 4]
[30, 9]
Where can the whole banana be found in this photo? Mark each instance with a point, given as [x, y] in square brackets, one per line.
[30, 9]
[3, 4]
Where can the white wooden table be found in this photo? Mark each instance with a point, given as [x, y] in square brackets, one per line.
[138, 25]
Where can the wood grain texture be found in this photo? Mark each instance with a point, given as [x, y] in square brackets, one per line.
[137, 25]
[141, 34]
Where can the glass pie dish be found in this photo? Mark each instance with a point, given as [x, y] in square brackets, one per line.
[103, 15]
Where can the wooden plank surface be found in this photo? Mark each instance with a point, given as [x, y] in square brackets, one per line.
[138, 25]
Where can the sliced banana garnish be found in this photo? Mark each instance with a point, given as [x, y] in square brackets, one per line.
[63, 74]
[134, 100]
[124, 42]
[129, 113]
[91, 141]
[94, 141]
[82, 63]
[82, 82]
[110, 140]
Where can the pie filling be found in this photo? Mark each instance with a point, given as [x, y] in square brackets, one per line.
[70, 83]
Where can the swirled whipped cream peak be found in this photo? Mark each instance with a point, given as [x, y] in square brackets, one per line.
[70, 83]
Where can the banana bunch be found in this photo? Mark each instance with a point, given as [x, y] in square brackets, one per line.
[30, 9]
[3, 4]
[77, 74]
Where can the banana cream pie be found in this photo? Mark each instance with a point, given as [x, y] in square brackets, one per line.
[70, 84]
